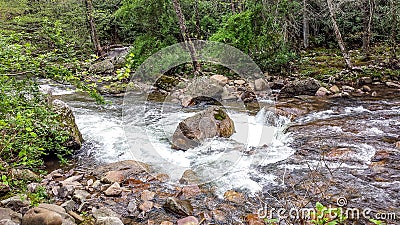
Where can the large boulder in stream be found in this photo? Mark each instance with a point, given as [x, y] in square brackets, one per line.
[212, 122]
[67, 119]
[300, 87]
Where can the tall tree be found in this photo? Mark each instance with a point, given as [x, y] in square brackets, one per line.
[338, 35]
[92, 26]
[306, 27]
[186, 38]
[368, 9]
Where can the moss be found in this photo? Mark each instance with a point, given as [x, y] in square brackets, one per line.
[220, 115]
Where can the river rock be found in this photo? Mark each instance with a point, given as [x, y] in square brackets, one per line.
[9, 216]
[190, 220]
[334, 89]
[81, 195]
[39, 216]
[16, 202]
[67, 119]
[220, 79]
[109, 221]
[66, 218]
[239, 82]
[189, 177]
[102, 67]
[212, 122]
[253, 219]
[104, 212]
[147, 195]
[24, 174]
[146, 206]
[366, 80]
[322, 92]
[128, 168]
[8, 222]
[180, 207]
[347, 88]
[204, 87]
[366, 88]
[113, 190]
[166, 223]
[392, 85]
[397, 144]
[260, 84]
[113, 176]
[300, 87]
[234, 196]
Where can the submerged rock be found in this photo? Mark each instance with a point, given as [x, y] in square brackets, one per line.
[300, 87]
[67, 118]
[212, 122]
[180, 207]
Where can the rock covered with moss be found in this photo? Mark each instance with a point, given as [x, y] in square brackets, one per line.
[212, 122]
[67, 119]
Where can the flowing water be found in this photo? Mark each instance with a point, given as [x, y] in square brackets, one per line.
[350, 132]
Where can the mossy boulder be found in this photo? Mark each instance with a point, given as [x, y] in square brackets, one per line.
[67, 119]
[212, 122]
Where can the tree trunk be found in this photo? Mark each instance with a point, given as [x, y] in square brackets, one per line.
[368, 19]
[92, 26]
[306, 27]
[233, 7]
[393, 12]
[339, 35]
[186, 39]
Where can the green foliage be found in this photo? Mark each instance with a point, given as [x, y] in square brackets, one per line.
[377, 222]
[39, 196]
[325, 216]
[257, 35]
[29, 129]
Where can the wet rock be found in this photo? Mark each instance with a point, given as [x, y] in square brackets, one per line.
[191, 191]
[392, 85]
[346, 88]
[24, 174]
[384, 166]
[113, 190]
[16, 202]
[113, 176]
[129, 168]
[190, 220]
[180, 207]
[203, 86]
[366, 88]
[67, 119]
[334, 89]
[167, 83]
[253, 219]
[109, 221]
[260, 85]
[300, 87]
[39, 216]
[322, 92]
[212, 122]
[220, 79]
[9, 216]
[189, 177]
[147, 195]
[146, 206]
[234, 196]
